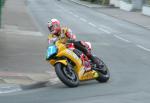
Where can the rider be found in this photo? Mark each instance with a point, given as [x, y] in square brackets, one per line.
[56, 31]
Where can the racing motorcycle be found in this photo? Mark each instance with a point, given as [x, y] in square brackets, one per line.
[72, 66]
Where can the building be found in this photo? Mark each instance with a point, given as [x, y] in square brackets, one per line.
[133, 5]
[116, 3]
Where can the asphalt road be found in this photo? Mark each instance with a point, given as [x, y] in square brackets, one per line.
[124, 47]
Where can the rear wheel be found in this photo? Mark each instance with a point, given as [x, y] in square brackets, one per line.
[105, 75]
[67, 75]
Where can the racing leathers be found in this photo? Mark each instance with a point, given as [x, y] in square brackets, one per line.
[67, 37]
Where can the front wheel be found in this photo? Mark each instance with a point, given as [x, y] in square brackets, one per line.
[66, 75]
[105, 75]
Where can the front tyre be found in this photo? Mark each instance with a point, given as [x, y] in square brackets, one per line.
[66, 75]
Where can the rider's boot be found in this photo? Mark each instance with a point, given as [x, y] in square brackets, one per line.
[99, 66]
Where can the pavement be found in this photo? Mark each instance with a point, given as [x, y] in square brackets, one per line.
[17, 26]
[135, 17]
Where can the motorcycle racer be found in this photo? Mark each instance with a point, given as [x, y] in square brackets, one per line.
[64, 34]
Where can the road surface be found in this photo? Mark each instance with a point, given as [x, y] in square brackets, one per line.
[124, 47]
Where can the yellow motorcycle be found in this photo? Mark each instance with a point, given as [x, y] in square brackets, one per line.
[72, 68]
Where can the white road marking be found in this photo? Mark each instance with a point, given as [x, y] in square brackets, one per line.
[109, 28]
[10, 91]
[62, 8]
[125, 40]
[75, 15]
[104, 30]
[54, 81]
[12, 29]
[10, 74]
[9, 88]
[82, 19]
[103, 26]
[148, 26]
[71, 12]
[22, 32]
[92, 24]
[146, 49]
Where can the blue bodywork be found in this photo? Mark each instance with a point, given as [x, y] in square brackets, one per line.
[52, 49]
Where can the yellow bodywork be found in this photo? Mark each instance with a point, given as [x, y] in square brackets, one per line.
[63, 51]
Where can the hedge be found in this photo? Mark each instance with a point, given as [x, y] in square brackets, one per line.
[103, 2]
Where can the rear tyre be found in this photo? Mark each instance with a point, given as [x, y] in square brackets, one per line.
[67, 76]
[105, 75]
